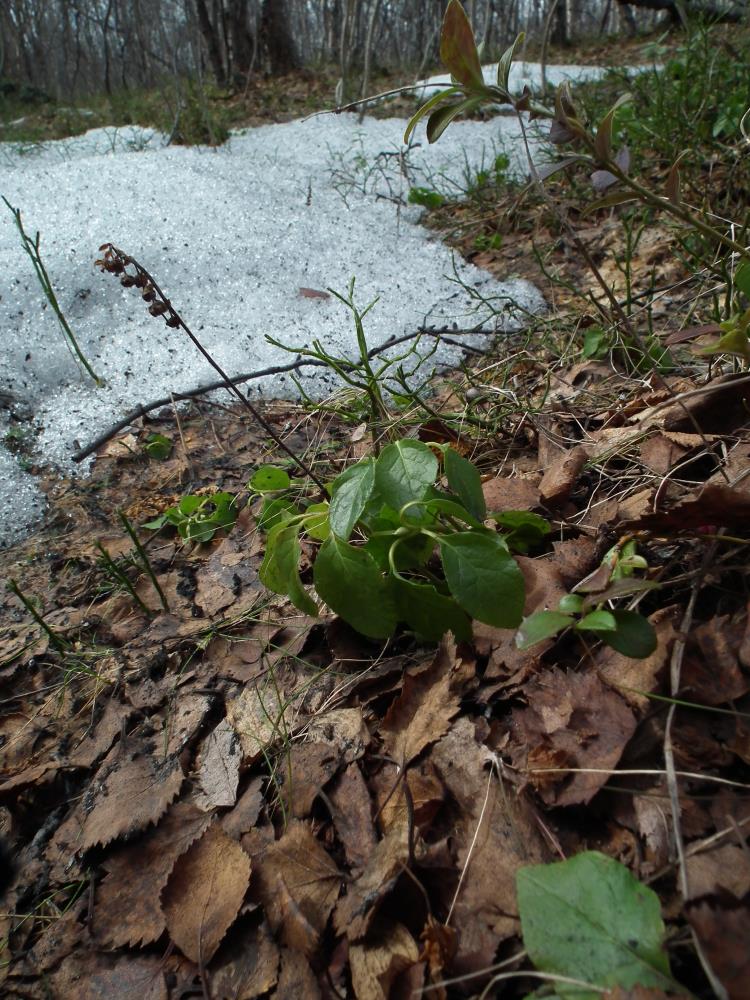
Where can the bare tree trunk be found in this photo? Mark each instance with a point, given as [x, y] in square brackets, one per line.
[368, 47]
[210, 34]
[277, 38]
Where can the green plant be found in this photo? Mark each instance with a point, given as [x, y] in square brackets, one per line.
[158, 446]
[198, 518]
[588, 920]
[587, 608]
[425, 197]
[32, 249]
[397, 547]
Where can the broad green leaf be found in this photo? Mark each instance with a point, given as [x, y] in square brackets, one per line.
[523, 529]
[439, 120]
[351, 491]
[268, 479]
[157, 523]
[570, 604]
[403, 472]
[279, 570]
[316, 521]
[742, 278]
[466, 483]
[634, 635]
[541, 625]
[438, 505]
[503, 66]
[598, 621]
[426, 108]
[458, 50]
[189, 504]
[157, 446]
[274, 511]
[590, 919]
[412, 551]
[349, 581]
[428, 612]
[483, 577]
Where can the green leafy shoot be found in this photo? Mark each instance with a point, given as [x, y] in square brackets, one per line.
[585, 610]
[158, 446]
[198, 518]
[397, 548]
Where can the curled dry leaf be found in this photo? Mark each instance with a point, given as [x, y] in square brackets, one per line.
[723, 926]
[297, 884]
[259, 718]
[636, 679]
[204, 894]
[247, 964]
[128, 792]
[352, 816]
[128, 910]
[560, 478]
[376, 962]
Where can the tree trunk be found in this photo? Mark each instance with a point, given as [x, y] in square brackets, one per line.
[210, 34]
[276, 38]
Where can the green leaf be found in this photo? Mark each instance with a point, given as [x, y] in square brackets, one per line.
[351, 491]
[742, 278]
[438, 505]
[349, 581]
[603, 140]
[570, 604]
[503, 66]
[425, 197]
[541, 625]
[268, 479]
[524, 529]
[429, 612]
[483, 577]
[466, 483]
[458, 49]
[634, 635]
[598, 621]
[316, 521]
[279, 570]
[590, 919]
[403, 472]
[274, 511]
[433, 102]
[439, 120]
[189, 504]
[412, 551]
[157, 446]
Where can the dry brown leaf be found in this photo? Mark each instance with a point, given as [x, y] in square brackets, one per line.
[342, 728]
[636, 679]
[495, 834]
[184, 719]
[659, 453]
[423, 711]
[544, 583]
[714, 506]
[724, 931]
[426, 792]
[260, 719]
[128, 908]
[129, 791]
[376, 962]
[226, 574]
[311, 766]
[725, 867]
[711, 672]
[560, 478]
[357, 909]
[247, 965]
[510, 493]
[297, 884]
[575, 558]
[204, 894]
[246, 811]
[296, 979]
[576, 718]
[352, 816]
[121, 977]
[218, 768]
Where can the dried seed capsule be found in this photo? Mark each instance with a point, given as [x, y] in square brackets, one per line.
[158, 308]
[127, 280]
[173, 320]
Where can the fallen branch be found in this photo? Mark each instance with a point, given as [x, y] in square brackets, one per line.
[292, 366]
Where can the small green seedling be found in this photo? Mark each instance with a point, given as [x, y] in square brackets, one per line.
[425, 197]
[585, 609]
[158, 446]
[198, 518]
[396, 546]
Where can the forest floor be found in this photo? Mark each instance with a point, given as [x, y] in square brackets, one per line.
[208, 793]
